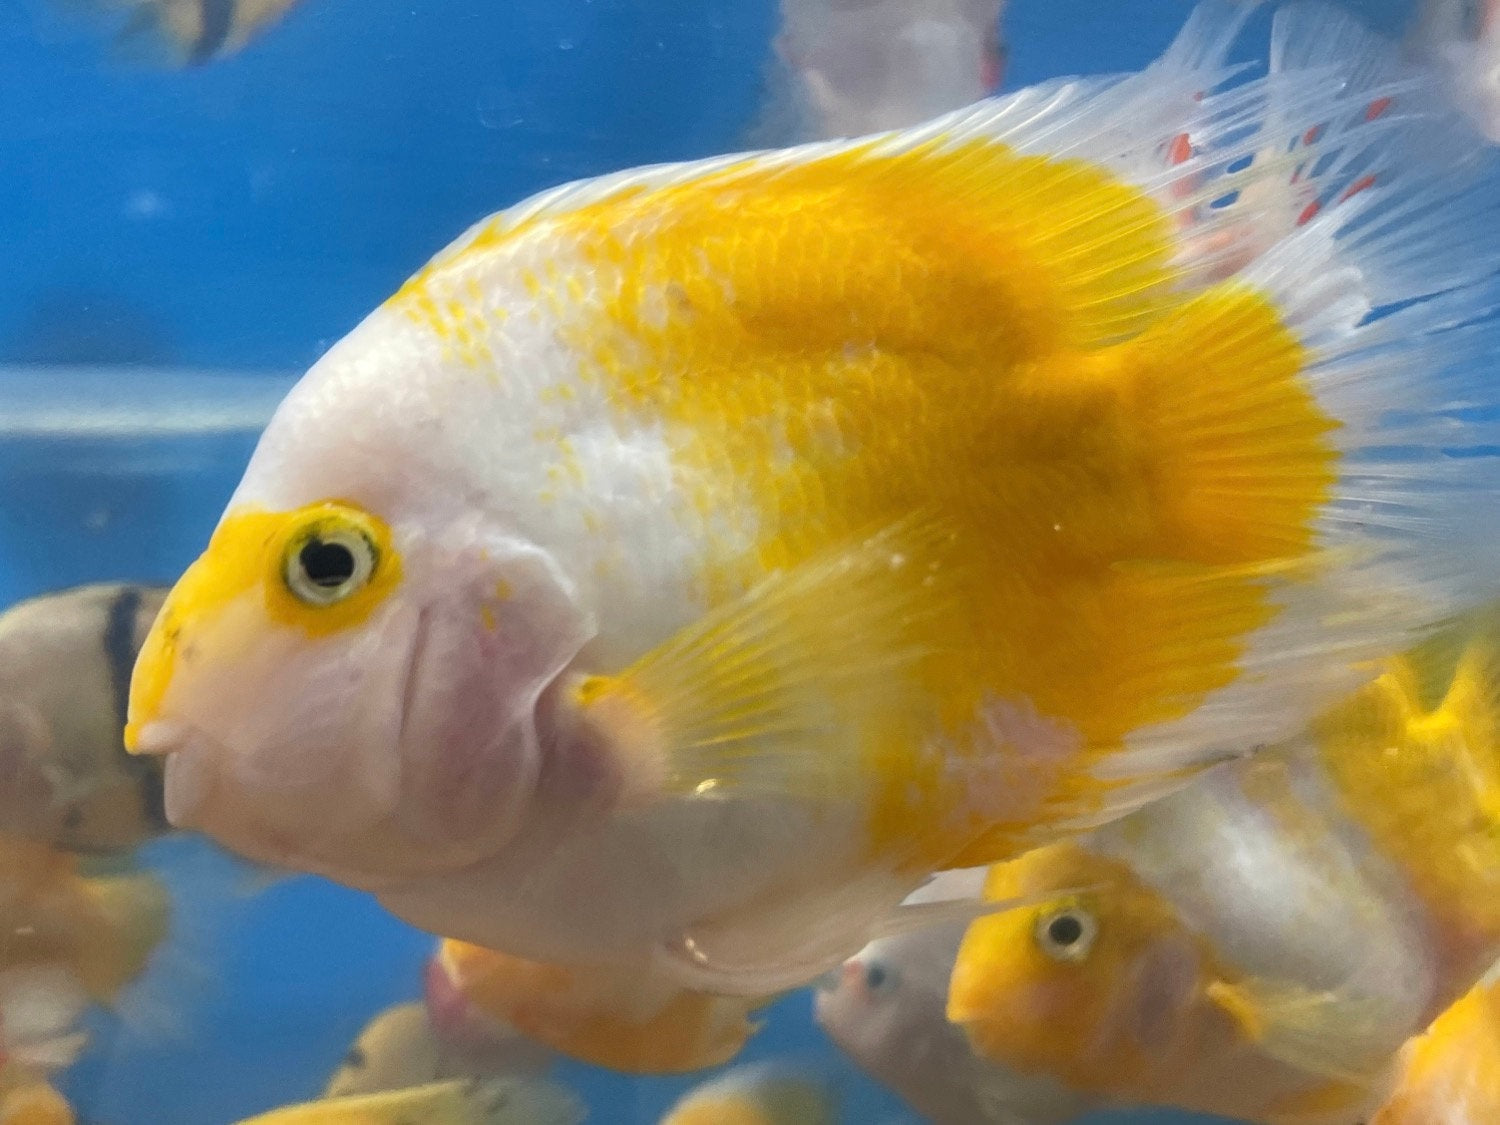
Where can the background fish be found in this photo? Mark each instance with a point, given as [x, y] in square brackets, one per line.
[887, 1010]
[1261, 944]
[65, 663]
[632, 1018]
[102, 929]
[400, 1048]
[763, 1094]
[196, 32]
[1462, 38]
[494, 1101]
[848, 67]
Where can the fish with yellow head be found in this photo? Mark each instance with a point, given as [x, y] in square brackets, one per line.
[686, 563]
[1111, 994]
[1262, 943]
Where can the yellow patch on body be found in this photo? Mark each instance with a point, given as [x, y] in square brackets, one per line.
[855, 339]
[1415, 759]
[992, 340]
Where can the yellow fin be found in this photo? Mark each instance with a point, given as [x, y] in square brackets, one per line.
[778, 689]
[1320, 1032]
[498, 1101]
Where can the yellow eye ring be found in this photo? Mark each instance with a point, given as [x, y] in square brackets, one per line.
[328, 560]
[1067, 933]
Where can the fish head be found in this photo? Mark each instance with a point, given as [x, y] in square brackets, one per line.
[1094, 987]
[353, 695]
[885, 1005]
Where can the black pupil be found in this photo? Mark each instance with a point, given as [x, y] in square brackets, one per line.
[875, 976]
[1064, 929]
[326, 564]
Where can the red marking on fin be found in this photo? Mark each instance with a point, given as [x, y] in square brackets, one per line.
[1312, 134]
[1180, 149]
[992, 69]
[1309, 212]
[1358, 186]
[1376, 108]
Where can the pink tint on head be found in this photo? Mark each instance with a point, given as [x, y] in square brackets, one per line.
[452, 1017]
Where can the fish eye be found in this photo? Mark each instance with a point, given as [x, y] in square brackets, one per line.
[326, 564]
[1067, 934]
[878, 978]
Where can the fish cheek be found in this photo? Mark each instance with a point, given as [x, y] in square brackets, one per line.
[465, 744]
[1162, 984]
[484, 651]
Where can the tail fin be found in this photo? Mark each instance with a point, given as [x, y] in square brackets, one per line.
[1380, 261]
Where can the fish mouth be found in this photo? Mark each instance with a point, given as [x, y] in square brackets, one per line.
[196, 799]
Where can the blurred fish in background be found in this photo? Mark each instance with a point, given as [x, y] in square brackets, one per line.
[1262, 944]
[844, 68]
[629, 1018]
[190, 32]
[65, 663]
[1462, 37]
[410, 1045]
[1451, 1073]
[759, 1094]
[887, 1010]
[491, 1101]
[103, 929]
[39, 1036]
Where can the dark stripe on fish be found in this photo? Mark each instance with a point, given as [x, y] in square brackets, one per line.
[119, 658]
[218, 20]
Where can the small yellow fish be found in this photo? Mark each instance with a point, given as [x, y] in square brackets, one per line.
[627, 1018]
[685, 564]
[887, 1010]
[39, 1035]
[65, 663]
[400, 1048]
[1262, 943]
[756, 1095]
[1451, 1073]
[495, 1101]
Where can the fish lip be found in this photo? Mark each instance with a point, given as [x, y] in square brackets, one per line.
[157, 737]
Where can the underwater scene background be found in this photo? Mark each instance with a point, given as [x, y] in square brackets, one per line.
[177, 244]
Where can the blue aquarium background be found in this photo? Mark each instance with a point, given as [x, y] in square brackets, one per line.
[175, 245]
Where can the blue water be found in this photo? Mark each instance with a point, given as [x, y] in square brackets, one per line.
[244, 216]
